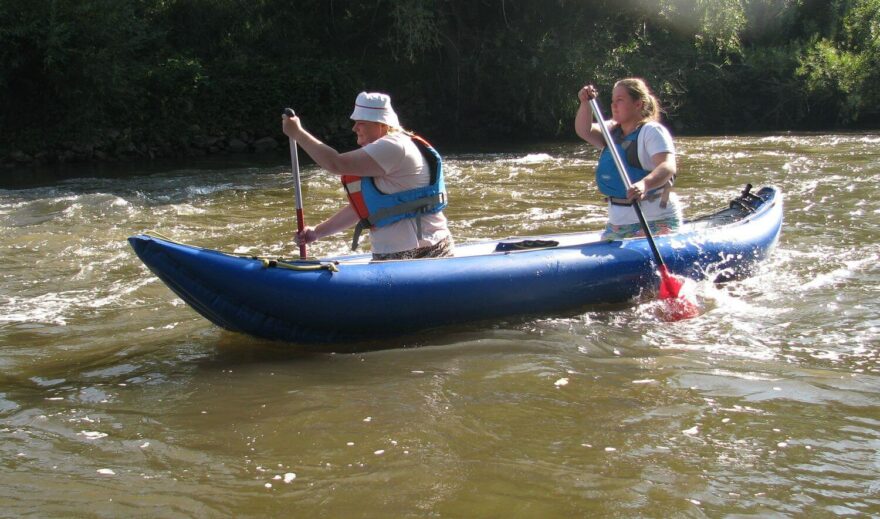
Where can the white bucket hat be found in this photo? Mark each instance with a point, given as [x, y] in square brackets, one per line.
[375, 107]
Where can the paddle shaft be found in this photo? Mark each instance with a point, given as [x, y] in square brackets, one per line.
[621, 169]
[294, 164]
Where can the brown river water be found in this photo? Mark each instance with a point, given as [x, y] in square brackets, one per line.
[116, 399]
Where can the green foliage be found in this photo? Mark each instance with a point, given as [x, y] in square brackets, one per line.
[415, 29]
[861, 26]
[841, 75]
[458, 69]
[769, 22]
[67, 61]
[715, 24]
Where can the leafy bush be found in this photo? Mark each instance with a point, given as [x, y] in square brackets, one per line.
[458, 69]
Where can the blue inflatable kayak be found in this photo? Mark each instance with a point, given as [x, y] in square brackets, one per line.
[350, 298]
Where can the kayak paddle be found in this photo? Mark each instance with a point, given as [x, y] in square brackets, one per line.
[678, 305]
[294, 163]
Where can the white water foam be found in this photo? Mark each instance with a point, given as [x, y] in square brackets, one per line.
[533, 158]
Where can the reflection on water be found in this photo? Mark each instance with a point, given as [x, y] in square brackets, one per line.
[115, 396]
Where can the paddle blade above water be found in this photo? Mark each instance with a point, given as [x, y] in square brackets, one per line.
[678, 301]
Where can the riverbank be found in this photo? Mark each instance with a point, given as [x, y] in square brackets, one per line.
[120, 146]
[118, 151]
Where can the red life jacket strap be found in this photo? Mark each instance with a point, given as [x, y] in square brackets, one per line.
[352, 185]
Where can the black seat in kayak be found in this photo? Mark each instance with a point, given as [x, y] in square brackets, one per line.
[525, 245]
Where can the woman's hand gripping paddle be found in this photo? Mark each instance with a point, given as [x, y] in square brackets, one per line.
[679, 304]
[294, 163]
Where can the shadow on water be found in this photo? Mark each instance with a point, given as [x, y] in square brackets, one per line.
[51, 174]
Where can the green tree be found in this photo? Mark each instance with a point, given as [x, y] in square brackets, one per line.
[466, 70]
[64, 62]
[840, 70]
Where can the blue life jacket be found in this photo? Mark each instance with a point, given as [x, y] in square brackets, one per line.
[607, 177]
[378, 209]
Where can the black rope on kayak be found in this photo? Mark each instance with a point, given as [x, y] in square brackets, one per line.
[267, 263]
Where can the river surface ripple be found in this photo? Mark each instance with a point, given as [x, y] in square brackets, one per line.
[116, 399]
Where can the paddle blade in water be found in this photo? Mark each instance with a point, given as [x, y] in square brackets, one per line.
[678, 304]
[670, 286]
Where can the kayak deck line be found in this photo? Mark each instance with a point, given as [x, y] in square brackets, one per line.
[281, 263]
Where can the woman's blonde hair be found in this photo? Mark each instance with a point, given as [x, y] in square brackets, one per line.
[638, 90]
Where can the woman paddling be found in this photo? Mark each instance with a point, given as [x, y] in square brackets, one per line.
[647, 149]
[394, 183]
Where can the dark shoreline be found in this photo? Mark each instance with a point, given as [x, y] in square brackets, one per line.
[270, 152]
[121, 147]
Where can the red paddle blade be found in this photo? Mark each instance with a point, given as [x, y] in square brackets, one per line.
[679, 304]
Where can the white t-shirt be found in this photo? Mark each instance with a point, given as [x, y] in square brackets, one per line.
[405, 168]
[653, 139]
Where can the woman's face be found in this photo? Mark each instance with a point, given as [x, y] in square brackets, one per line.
[368, 131]
[623, 108]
